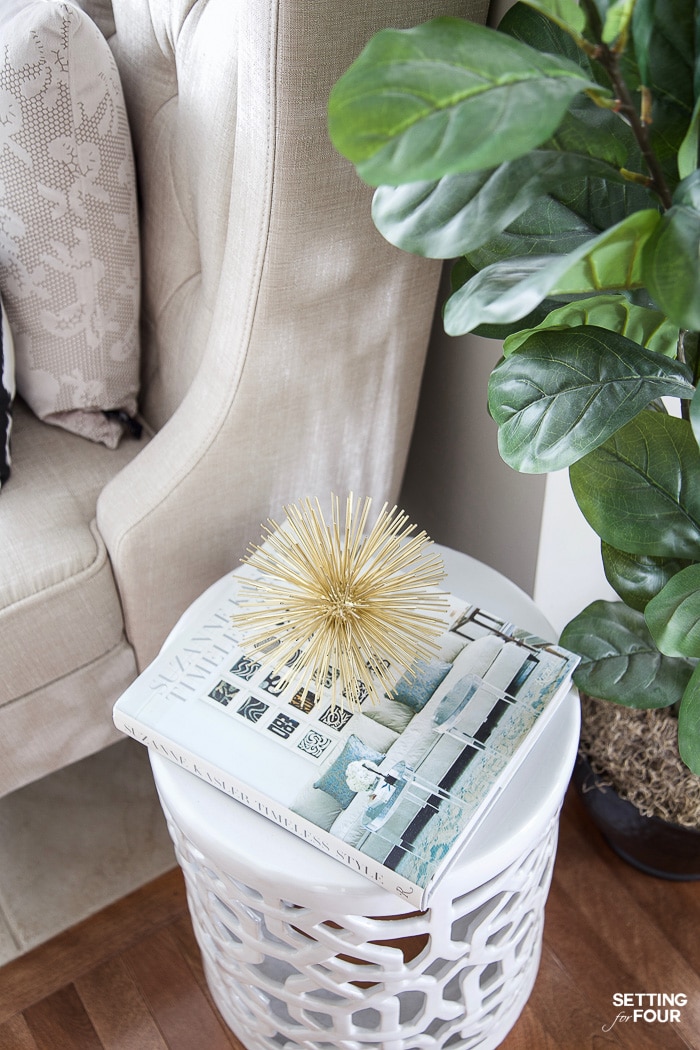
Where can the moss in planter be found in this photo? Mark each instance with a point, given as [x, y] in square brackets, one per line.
[636, 752]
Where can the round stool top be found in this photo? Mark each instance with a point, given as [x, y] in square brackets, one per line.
[266, 856]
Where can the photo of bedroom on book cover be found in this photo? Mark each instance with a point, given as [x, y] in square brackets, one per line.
[396, 783]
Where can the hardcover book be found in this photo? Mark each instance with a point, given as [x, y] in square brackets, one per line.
[392, 788]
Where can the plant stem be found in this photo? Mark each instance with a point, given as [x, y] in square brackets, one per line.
[594, 19]
[680, 353]
[611, 63]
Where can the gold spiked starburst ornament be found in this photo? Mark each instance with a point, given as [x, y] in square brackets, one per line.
[340, 604]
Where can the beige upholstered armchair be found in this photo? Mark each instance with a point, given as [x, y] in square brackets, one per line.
[282, 343]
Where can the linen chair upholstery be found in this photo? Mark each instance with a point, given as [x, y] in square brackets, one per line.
[283, 344]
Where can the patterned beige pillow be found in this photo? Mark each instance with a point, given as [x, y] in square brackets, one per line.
[69, 252]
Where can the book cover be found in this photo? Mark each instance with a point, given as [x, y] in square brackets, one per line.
[392, 789]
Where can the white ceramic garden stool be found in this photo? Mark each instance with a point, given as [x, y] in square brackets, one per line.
[301, 952]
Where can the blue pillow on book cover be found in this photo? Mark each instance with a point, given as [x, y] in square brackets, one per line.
[415, 690]
[333, 781]
[7, 393]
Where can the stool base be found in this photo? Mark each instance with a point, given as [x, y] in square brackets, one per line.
[455, 976]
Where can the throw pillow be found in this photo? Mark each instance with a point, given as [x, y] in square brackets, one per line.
[389, 713]
[333, 780]
[316, 806]
[415, 690]
[69, 249]
[7, 393]
[451, 645]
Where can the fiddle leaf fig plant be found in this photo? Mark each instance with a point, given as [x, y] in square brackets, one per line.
[555, 159]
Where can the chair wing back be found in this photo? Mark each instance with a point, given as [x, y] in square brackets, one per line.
[283, 339]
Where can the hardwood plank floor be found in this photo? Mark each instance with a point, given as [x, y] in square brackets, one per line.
[130, 978]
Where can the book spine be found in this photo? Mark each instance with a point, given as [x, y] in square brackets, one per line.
[259, 802]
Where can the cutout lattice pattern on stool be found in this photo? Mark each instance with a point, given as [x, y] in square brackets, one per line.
[285, 977]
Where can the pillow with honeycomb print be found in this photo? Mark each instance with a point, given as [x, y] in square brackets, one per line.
[69, 247]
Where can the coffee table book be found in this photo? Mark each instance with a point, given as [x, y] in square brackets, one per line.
[393, 790]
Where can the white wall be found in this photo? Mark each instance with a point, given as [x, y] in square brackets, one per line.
[569, 568]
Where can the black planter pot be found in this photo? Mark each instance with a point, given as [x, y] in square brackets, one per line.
[648, 843]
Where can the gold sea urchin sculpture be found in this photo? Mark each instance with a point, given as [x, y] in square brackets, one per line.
[363, 607]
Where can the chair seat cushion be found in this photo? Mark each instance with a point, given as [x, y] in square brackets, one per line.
[59, 606]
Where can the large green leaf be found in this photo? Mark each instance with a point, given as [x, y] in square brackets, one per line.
[594, 131]
[547, 227]
[689, 351]
[617, 20]
[637, 577]
[689, 724]
[523, 22]
[642, 34]
[509, 290]
[640, 490]
[673, 616]
[565, 13]
[688, 152]
[565, 391]
[695, 415]
[454, 215]
[619, 660]
[649, 328]
[672, 255]
[444, 97]
[562, 223]
[663, 32]
[577, 209]
[463, 271]
[604, 203]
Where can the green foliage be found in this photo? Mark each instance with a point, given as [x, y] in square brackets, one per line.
[615, 313]
[637, 577]
[459, 213]
[564, 13]
[508, 290]
[689, 723]
[557, 399]
[619, 659]
[673, 615]
[634, 489]
[556, 159]
[617, 21]
[404, 110]
[671, 257]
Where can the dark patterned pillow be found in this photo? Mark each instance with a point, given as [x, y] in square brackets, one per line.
[7, 393]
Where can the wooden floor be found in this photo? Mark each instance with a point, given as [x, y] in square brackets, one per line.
[130, 978]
